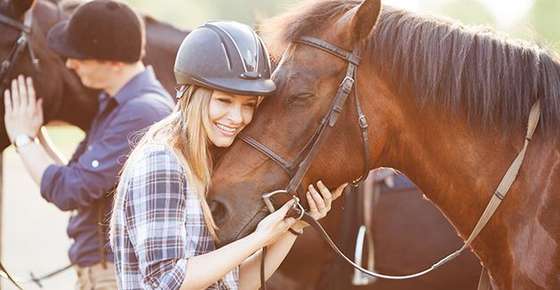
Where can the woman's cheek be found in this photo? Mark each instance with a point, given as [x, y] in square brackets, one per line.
[216, 110]
[248, 114]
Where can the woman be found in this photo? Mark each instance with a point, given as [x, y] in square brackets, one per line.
[162, 229]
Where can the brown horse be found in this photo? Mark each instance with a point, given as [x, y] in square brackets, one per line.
[447, 105]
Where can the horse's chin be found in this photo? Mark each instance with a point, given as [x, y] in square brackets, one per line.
[238, 229]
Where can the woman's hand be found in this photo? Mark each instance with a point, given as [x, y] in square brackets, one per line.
[319, 203]
[275, 224]
[23, 112]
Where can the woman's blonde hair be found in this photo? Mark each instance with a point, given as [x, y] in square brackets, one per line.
[184, 133]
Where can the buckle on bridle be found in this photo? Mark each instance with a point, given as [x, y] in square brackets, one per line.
[347, 84]
[267, 198]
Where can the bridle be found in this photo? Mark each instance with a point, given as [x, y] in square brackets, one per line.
[299, 167]
[22, 43]
[6, 69]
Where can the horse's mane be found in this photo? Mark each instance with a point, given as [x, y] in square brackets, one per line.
[495, 80]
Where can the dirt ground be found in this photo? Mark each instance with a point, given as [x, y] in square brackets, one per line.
[34, 231]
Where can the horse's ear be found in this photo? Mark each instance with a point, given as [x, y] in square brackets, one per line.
[19, 7]
[359, 22]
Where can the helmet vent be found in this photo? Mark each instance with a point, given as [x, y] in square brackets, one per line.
[251, 75]
[227, 56]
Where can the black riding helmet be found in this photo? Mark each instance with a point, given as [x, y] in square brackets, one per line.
[227, 56]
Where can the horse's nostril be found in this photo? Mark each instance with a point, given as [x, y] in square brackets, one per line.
[218, 210]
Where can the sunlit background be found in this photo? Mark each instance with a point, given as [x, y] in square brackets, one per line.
[535, 20]
[34, 236]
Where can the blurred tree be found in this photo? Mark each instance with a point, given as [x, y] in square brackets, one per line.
[470, 12]
[191, 13]
[544, 18]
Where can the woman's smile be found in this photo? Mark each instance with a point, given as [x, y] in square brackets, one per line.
[227, 130]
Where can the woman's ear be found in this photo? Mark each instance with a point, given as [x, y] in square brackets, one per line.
[19, 7]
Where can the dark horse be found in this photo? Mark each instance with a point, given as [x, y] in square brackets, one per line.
[447, 105]
[65, 97]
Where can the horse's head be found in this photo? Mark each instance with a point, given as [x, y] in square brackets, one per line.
[52, 79]
[308, 79]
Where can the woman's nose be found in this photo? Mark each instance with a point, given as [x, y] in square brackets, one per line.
[235, 114]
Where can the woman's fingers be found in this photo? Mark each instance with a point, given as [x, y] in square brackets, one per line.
[7, 103]
[23, 95]
[338, 192]
[15, 95]
[31, 97]
[311, 202]
[288, 222]
[326, 193]
[317, 198]
[39, 108]
[282, 211]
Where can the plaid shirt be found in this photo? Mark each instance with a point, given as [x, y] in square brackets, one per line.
[158, 224]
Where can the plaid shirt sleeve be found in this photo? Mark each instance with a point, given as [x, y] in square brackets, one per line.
[156, 210]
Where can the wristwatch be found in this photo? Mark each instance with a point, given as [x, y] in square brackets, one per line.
[22, 140]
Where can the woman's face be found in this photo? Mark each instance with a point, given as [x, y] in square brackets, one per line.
[228, 115]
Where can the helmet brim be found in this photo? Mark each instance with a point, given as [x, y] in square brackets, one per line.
[57, 40]
[249, 87]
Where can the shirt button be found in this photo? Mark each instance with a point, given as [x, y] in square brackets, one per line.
[95, 164]
[89, 148]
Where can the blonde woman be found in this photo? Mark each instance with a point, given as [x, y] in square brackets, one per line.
[162, 229]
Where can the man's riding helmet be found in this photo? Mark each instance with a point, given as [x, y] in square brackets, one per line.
[226, 56]
[102, 30]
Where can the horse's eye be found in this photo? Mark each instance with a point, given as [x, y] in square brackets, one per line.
[301, 98]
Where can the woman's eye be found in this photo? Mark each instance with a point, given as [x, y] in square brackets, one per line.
[250, 105]
[224, 100]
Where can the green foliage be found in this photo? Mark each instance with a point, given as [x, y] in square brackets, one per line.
[544, 18]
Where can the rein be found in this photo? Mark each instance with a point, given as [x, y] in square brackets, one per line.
[23, 42]
[299, 167]
[6, 67]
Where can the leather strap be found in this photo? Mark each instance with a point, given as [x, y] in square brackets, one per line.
[503, 188]
[484, 282]
[509, 177]
[283, 163]
[330, 48]
[329, 121]
[15, 24]
[6, 275]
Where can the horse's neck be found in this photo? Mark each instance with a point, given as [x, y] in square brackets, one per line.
[456, 166]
